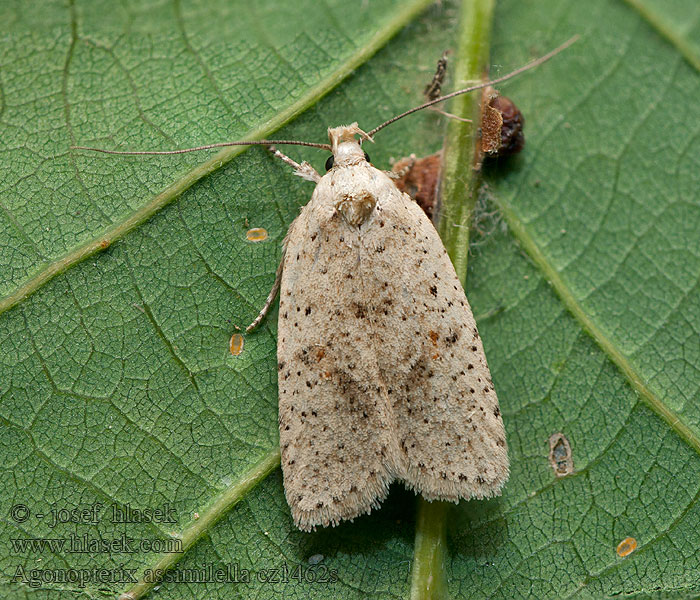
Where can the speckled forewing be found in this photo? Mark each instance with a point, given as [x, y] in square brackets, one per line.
[444, 406]
[382, 373]
[335, 434]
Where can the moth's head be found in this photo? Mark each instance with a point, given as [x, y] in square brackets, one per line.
[346, 147]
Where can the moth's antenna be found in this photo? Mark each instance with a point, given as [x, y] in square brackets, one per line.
[207, 147]
[527, 67]
[327, 147]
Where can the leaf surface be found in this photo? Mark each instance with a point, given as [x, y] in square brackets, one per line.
[118, 386]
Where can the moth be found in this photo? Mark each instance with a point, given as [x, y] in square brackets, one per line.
[381, 371]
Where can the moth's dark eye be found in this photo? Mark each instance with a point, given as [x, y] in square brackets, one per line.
[367, 157]
[329, 163]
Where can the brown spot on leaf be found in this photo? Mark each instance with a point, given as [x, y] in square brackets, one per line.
[560, 456]
[419, 178]
[501, 125]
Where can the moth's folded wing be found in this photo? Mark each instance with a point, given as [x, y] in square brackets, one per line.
[448, 422]
[334, 431]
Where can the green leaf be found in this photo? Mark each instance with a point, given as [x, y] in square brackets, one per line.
[117, 383]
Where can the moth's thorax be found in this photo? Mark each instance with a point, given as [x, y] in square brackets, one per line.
[353, 186]
[355, 190]
[348, 153]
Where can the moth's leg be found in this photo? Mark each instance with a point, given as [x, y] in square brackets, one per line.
[433, 90]
[449, 115]
[304, 170]
[402, 167]
[270, 298]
